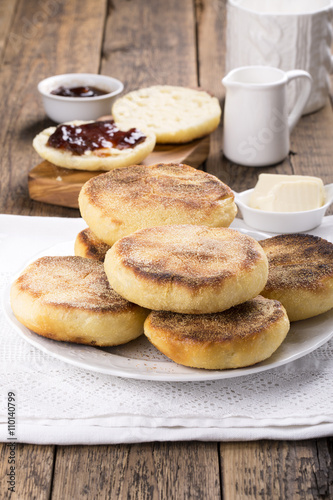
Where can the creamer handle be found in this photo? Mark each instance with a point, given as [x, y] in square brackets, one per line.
[303, 97]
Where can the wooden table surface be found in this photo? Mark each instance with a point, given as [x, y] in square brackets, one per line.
[143, 43]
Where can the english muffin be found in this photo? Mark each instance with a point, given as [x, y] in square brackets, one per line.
[118, 203]
[173, 114]
[300, 274]
[70, 299]
[241, 336]
[186, 268]
[89, 246]
[93, 145]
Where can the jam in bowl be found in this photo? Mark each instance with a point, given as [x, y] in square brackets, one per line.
[78, 96]
[82, 91]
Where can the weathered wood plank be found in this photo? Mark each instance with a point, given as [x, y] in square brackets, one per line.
[89, 472]
[277, 470]
[211, 23]
[313, 145]
[150, 43]
[7, 10]
[41, 43]
[173, 470]
[140, 471]
[33, 472]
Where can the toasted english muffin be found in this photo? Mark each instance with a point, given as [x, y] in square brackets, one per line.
[70, 299]
[173, 114]
[240, 336]
[187, 268]
[107, 157]
[118, 203]
[300, 274]
[89, 246]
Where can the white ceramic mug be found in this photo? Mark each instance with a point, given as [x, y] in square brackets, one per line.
[287, 34]
[257, 123]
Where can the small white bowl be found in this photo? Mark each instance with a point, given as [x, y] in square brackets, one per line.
[63, 109]
[282, 222]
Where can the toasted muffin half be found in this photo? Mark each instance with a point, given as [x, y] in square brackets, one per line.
[240, 336]
[300, 274]
[118, 203]
[187, 268]
[89, 246]
[70, 299]
[68, 152]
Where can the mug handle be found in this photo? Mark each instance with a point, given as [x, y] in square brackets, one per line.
[303, 97]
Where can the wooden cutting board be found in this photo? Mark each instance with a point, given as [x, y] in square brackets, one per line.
[61, 186]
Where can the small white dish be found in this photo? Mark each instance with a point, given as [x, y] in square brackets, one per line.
[62, 109]
[282, 222]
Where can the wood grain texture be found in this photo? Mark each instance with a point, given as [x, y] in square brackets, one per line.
[60, 186]
[150, 43]
[41, 43]
[139, 471]
[7, 10]
[211, 24]
[33, 471]
[277, 470]
[89, 472]
[312, 144]
[185, 470]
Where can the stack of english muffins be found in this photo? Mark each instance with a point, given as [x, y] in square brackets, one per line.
[163, 234]
[158, 257]
[202, 285]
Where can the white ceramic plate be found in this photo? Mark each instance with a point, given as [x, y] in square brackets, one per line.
[140, 360]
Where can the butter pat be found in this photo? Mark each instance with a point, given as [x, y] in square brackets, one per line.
[287, 193]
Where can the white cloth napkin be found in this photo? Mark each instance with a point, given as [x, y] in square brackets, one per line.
[57, 403]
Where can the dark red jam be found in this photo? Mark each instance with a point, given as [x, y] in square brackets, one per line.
[79, 91]
[94, 135]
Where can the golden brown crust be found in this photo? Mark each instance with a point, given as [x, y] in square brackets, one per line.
[298, 261]
[300, 273]
[239, 322]
[193, 256]
[240, 336]
[124, 200]
[187, 268]
[157, 184]
[89, 246]
[71, 282]
[70, 299]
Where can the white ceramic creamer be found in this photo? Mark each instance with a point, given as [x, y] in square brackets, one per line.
[257, 122]
[287, 34]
